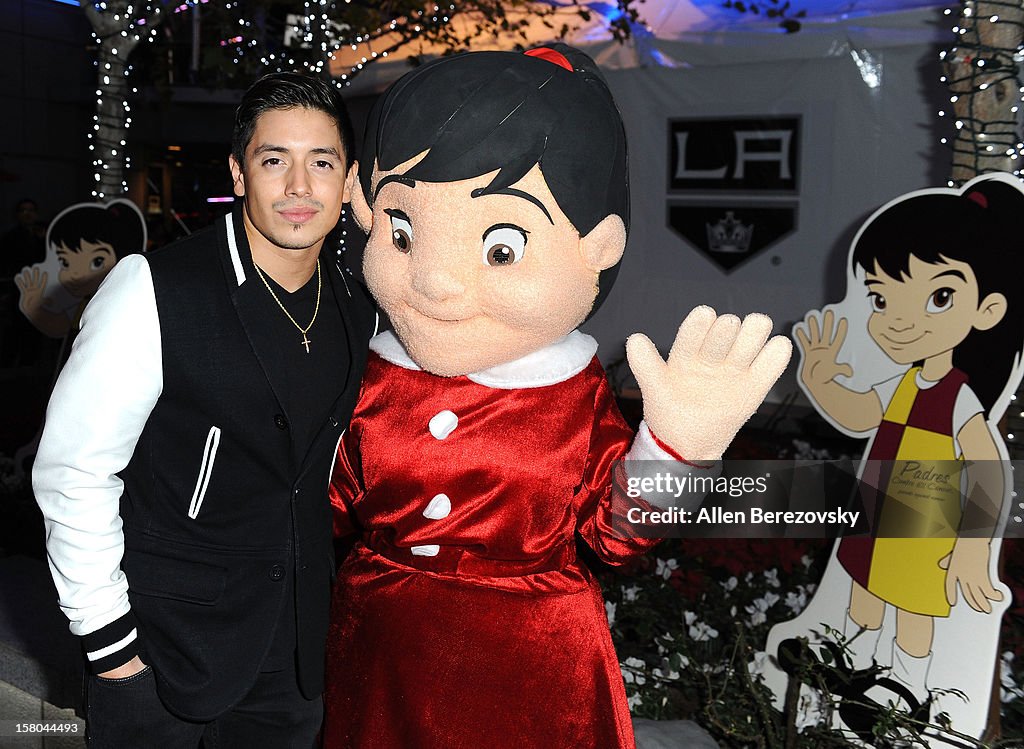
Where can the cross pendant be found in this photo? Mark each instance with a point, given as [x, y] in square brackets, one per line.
[306, 342]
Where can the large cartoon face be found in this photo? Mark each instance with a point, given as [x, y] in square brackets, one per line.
[83, 268]
[470, 281]
[294, 180]
[930, 311]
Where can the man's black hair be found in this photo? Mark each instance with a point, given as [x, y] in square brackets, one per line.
[289, 91]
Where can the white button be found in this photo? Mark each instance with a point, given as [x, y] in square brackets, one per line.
[443, 424]
[429, 550]
[439, 507]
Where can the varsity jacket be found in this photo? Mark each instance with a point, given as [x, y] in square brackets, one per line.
[175, 511]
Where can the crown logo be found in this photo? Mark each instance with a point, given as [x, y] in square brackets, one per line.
[729, 235]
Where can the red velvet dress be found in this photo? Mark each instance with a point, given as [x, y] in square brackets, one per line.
[463, 617]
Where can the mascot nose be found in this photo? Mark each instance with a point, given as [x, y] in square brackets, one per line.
[435, 279]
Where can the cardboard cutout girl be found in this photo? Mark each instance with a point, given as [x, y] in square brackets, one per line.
[922, 357]
[83, 243]
[486, 440]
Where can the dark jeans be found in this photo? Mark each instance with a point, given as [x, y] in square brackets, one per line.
[128, 714]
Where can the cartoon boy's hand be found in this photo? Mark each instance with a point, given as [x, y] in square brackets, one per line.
[718, 372]
[968, 564]
[821, 349]
[31, 283]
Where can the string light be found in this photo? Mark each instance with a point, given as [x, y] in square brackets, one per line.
[117, 28]
[980, 71]
[312, 40]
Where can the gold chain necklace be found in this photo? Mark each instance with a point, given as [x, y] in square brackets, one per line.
[303, 330]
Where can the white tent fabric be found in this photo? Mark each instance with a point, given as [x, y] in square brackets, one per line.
[866, 98]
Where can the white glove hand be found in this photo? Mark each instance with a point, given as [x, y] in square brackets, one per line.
[717, 374]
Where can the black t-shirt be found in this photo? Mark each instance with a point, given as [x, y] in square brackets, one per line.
[307, 385]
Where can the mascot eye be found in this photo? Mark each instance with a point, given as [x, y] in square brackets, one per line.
[504, 244]
[97, 263]
[940, 300]
[401, 231]
[877, 301]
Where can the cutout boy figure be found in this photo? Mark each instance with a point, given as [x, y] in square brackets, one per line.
[933, 288]
[486, 438]
[83, 243]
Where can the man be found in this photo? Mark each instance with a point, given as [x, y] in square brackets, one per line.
[193, 432]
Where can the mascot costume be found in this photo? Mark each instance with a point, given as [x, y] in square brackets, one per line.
[486, 442]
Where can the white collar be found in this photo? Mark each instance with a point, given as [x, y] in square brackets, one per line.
[552, 364]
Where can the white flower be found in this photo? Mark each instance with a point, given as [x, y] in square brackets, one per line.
[666, 671]
[730, 584]
[633, 701]
[629, 670]
[806, 561]
[629, 594]
[665, 568]
[702, 631]
[759, 608]
[609, 609]
[772, 577]
[689, 618]
[1010, 689]
[758, 663]
[796, 600]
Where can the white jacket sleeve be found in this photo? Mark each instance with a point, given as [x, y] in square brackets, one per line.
[97, 412]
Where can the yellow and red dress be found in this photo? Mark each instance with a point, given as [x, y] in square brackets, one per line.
[463, 616]
[915, 465]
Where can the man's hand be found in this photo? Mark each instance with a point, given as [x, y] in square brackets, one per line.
[718, 372]
[132, 667]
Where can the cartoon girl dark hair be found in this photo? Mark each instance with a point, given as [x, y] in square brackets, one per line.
[88, 239]
[940, 272]
[485, 438]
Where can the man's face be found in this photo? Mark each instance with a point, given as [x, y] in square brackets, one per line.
[294, 180]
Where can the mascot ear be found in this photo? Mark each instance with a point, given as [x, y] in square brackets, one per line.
[603, 246]
[361, 210]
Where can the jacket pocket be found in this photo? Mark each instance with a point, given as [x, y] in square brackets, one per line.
[189, 581]
[205, 471]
